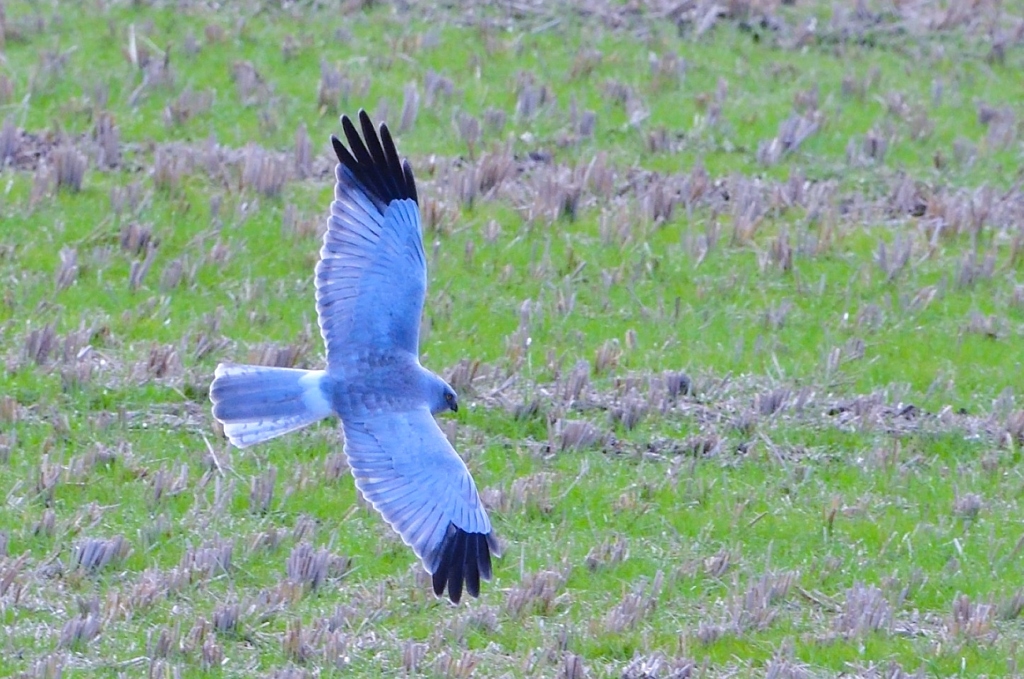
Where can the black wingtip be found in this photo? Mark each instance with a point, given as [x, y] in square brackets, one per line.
[465, 560]
[372, 161]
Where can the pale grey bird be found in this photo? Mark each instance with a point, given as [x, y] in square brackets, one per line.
[370, 284]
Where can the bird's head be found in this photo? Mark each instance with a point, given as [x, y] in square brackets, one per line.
[442, 396]
[451, 399]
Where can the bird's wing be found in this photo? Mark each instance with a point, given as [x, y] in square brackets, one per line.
[405, 466]
[372, 275]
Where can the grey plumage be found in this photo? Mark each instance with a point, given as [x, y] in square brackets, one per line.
[370, 285]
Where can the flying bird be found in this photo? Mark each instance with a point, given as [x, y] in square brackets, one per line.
[371, 281]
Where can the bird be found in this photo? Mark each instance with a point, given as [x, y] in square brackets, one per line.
[371, 282]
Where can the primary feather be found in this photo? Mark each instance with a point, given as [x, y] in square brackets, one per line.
[371, 281]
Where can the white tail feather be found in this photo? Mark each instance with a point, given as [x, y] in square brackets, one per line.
[256, 403]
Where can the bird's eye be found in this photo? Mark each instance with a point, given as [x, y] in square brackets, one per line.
[448, 397]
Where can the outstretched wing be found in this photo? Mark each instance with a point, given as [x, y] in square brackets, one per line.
[372, 275]
[405, 467]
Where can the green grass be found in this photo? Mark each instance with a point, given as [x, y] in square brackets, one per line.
[719, 531]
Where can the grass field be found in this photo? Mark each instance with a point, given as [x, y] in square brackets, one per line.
[733, 296]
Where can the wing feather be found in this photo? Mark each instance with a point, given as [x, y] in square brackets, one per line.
[371, 278]
[373, 145]
[406, 468]
[472, 574]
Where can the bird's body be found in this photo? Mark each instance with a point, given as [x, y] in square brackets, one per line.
[371, 282]
[354, 391]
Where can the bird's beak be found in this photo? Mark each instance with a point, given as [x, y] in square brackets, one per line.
[455, 407]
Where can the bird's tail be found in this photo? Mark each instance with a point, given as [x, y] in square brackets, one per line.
[256, 403]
